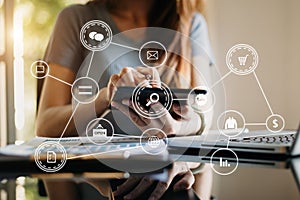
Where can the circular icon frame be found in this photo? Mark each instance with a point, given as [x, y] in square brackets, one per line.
[91, 99]
[241, 129]
[92, 23]
[242, 60]
[151, 149]
[204, 109]
[40, 161]
[140, 108]
[108, 139]
[269, 118]
[34, 64]
[220, 173]
[163, 48]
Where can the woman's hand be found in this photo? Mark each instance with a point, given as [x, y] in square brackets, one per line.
[181, 120]
[130, 77]
[136, 186]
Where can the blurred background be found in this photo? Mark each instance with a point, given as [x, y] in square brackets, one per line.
[272, 27]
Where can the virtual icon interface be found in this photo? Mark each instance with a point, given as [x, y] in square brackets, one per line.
[40, 69]
[153, 141]
[85, 90]
[243, 60]
[51, 157]
[144, 97]
[275, 123]
[230, 123]
[152, 55]
[224, 163]
[201, 99]
[99, 131]
[220, 161]
[95, 35]
[154, 98]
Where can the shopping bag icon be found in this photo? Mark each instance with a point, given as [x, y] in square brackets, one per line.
[152, 55]
[99, 131]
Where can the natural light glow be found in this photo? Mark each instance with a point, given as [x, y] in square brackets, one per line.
[3, 125]
[18, 70]
[2, 32]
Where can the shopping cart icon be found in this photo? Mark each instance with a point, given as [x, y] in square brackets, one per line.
[243, 60]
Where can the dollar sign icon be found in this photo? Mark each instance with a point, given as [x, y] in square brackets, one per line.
[275, 123]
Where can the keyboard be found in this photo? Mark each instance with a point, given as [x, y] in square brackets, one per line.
[276, 139]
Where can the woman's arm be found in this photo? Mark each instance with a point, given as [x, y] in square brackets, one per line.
[61, 189]
[55, 107]
[203, 183]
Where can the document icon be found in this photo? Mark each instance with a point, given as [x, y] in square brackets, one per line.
[152, 55]
[51, 157]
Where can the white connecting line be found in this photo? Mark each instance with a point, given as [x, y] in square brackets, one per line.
[62, 134]
[60, 80]
[220, 79]
[255, 124]
[125, 46]
[228, 142]
[263, 92]
[127, 136]
[88, 71]
[99, 153]
[180, 99]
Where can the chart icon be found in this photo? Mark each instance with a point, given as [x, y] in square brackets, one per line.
[224, 161]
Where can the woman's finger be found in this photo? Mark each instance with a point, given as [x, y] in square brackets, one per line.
[126, 186]
[149, 122]
[112, 85]
[151, 75]
[144, 184]
[102, 186]
[163, 186]
[183, 111]
[134, 117]
[130, 77]
[186, 182]
[167, 121]
[126, 77]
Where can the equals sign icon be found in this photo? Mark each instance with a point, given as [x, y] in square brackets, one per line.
[85, 90]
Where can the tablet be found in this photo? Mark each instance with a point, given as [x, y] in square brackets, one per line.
[141, 97]
[146, 94]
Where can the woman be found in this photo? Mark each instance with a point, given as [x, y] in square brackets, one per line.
[65, 54]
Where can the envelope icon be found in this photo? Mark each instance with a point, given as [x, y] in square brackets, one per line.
[152, 55]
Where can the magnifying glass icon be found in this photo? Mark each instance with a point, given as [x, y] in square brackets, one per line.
[154, 98]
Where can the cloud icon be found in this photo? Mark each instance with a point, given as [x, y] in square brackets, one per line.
[96, 36]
